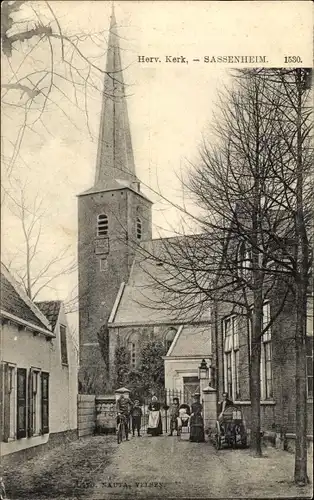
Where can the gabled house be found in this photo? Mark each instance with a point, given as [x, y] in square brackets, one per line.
[38, 383]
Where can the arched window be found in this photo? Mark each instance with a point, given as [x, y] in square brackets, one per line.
[102, 225]
[169, 337]
[138, 228]
[132, 349]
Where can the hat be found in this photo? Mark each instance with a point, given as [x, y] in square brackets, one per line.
[154, 398]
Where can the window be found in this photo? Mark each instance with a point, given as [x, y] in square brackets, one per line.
[132, 349]
[21, 403]
[138, 228]
[9, 401]
[169, 338]
[133, 354]
[63, 343]
[34, 420]
[309, 347]
[44, 402]
[266, 357]
[102, 225]
[266, 353]
[231, 357]
[244, 259]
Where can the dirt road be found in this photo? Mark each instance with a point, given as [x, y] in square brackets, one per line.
[96, 468]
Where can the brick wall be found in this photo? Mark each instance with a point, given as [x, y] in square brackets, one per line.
[98, 287]
[281, 411]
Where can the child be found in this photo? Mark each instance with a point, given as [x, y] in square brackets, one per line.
[174, 413]
[136, 413]
[183, 417]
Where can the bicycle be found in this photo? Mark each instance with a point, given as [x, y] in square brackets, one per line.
[121, 427]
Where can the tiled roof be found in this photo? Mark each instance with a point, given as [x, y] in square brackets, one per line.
[51, 310]
[143, 299]
[14, 301]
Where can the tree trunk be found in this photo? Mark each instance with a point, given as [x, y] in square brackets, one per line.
[255, 387]
[300, 470]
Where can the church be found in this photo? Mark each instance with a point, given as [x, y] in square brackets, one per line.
[117, 298]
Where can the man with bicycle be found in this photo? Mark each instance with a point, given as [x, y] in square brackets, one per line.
[124, 406]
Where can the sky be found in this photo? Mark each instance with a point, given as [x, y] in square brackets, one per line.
[170, 105]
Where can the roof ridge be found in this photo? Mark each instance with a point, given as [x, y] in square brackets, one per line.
[32, 306]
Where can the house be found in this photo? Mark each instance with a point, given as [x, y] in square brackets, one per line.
[38, 385]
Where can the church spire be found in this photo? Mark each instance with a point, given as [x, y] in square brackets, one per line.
[115, 161]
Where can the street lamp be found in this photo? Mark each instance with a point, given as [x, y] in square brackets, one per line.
[203, 370]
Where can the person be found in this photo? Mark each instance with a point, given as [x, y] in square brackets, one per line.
[184, 417]
[154, 418]
[197, 434]
[224, 404]
[174, 414]
[124, 406]
[136, 413]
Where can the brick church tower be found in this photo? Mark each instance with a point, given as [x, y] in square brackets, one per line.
[113, 217]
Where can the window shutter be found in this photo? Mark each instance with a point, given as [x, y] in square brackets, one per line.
[30, 429]
[5, 402]
[21, 403]
[44, 403]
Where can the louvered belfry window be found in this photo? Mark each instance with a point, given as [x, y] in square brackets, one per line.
[102, 225]
[138, 228]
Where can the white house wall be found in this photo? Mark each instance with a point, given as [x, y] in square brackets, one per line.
[177, 369]
[23, 349]
[63, 395]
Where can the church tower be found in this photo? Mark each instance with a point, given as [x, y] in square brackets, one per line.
[113, 217]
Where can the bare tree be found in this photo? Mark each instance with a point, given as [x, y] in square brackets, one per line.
[45, 70]
[246, 185]
[34, 270]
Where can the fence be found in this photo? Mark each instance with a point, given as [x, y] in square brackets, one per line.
[165, 399]
[86, 415]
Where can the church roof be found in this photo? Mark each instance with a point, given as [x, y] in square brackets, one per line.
[142, 300]
[193, 340]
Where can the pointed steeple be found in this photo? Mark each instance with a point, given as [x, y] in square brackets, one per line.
[115, 161]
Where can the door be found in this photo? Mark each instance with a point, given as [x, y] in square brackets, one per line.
[191, 385]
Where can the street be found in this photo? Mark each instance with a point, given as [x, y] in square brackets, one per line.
[162, 467]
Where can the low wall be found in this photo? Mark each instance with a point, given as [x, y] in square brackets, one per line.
[86, 415]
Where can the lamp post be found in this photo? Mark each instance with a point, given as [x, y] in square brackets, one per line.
[203, 370]
[203, 375]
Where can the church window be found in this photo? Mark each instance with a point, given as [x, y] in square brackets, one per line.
[102, 225]
[138, 228]
[132, 349]
[169, 337]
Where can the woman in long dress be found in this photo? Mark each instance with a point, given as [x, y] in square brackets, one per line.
[154, 418]
[197, 434]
